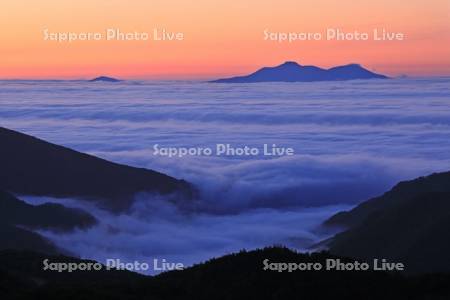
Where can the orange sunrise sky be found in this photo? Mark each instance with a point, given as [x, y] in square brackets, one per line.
[220, 37]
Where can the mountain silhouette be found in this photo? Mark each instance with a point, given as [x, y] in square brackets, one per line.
[409, 224]
[234, 276]
[291, 71]
[105, 79]
[18, 220]
[45, 216]
[30, 166]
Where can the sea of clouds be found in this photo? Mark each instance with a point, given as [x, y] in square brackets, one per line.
[352, 140]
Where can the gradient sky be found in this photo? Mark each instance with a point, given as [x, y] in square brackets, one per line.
[221, 37]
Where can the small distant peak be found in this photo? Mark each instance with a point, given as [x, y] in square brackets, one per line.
[290, 63]
[353, 65]
[105, 79]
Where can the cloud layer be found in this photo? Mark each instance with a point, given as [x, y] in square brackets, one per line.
[353, 140]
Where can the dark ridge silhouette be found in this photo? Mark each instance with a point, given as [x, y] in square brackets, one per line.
[17, 218]
[26, 269]
[399, 194]
[45, 216]
[30, 166]
[236, 276]
[293, 72]
[409, 224]
[13, 237]
[105, 79]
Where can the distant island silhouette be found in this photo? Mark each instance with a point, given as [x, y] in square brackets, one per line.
[291, 71]
[105, 79]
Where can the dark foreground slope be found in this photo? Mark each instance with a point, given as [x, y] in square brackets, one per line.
[410, 223]
[13, 237]
[18, 220]
[35, 167]
[293, 72]
[22, 277]
[237, 276]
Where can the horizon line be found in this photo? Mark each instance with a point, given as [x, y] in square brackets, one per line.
[240, 71]
[403, 76]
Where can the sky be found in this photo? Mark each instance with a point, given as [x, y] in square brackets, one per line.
[220, 37]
